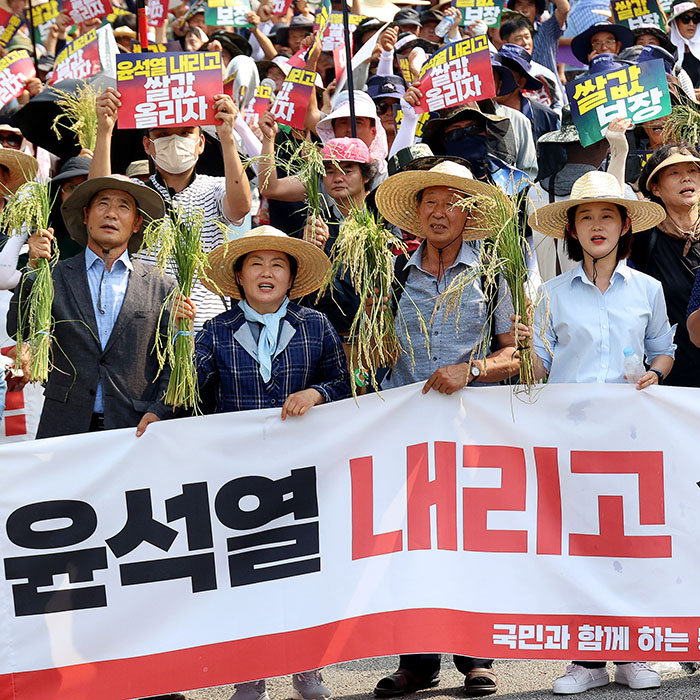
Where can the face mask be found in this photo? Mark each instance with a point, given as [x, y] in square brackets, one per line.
[175, 154]
[472, 147]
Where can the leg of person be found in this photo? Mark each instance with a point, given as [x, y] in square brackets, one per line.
[416, 671]
[309, 686]
[581, 676]
[479, 676]
[636, 675]
[253, 690]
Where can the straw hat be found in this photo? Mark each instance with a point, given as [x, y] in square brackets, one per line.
[397, 197]
[312, 262]
[21, 166]
[149, 202]
[674, 158]
[595, 186]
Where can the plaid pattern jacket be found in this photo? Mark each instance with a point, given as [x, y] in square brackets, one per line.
[309, 355]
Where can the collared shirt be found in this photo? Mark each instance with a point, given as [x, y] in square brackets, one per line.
[107, 293]
[452, 336]
[586, 330]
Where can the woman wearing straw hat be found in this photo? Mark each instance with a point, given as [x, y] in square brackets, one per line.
[593, 315]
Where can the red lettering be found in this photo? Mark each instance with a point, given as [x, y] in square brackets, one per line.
[479, 501]
[548, 501]
[364, 542]
[424, 492]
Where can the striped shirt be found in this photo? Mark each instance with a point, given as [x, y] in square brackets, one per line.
[207, 193]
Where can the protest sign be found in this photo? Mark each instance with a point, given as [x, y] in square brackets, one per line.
[168, 89]
[258, 105]
[638, 92]
[405, 67]
[15, 69]
[488, 11]
[457, 74]
[638, 13]
[363, 54]
[665, 5]
[157, 11]
[79, 59]
[9, 24]
[283, 554]
[293, 98]
[321, 21]
[333, 30]
[152, 48]
[227, 13]
[340, 59]
[298, 60]
[280, 7]
[81, 10]
[43, 16]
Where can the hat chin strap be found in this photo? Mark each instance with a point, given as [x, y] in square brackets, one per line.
[602, 257]
[441, 262]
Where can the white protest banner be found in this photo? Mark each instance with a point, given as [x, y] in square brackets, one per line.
[233, 547]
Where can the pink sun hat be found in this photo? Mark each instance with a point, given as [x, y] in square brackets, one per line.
[346, 149]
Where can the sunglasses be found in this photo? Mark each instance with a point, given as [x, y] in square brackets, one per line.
[10, 140]
[382, 107]
[457, 134]
[687, 19]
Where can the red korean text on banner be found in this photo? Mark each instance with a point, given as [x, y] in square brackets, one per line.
[9, 25]
[457, 74]
[293, 98]
[333, 31]
[280, 7]
[168, 89]
[258, 105]
[79, 60]
[157, 11]
[15, 69]
[82, 10]
[340, 57]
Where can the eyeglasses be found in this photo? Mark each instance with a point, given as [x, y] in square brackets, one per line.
[603, 43]
[687, 19]
[10, 140]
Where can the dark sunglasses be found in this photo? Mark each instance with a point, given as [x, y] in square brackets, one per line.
[382, 107]
[457, 134]
[687, 19]
[10, 140]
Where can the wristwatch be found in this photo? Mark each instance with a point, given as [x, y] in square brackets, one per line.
[475, 373]
[658, 373]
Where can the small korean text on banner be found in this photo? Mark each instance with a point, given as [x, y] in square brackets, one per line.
[258, 105]
[15, 69]
[457, 74]
[9, 24]
[488, 11]
[43, 16]
[227, 13]
[168, 89]
[82, 10]
[79, 60]
[638, 92]
[333, 35]
[280, 7]
[293, 97]
[157, 11]
[665, 5]
[405, 67]
[638, 13]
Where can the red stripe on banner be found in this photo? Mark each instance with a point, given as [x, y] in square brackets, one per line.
[381, 634]
[15, 425]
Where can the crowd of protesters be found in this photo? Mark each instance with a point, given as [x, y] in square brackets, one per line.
[610, 230]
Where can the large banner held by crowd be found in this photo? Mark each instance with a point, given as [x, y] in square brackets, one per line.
[168, 89]
[239, 546]
[457, 74]
[638, 92]
[638, 13]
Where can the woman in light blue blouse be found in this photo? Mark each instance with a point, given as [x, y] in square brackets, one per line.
[589, 316]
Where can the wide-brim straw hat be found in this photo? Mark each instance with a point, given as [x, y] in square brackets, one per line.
[595, 186]
[149, 202]
[21, 166]
[312, 262]
[672, 160]
[397, 197]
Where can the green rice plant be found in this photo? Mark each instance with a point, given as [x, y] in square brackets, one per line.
[28, 210]
[78, 114]
[177, 244]
[683, 125]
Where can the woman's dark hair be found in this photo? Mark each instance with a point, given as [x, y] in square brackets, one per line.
[573, 247]
[658, 157]
[512, 26]
[238, 266]
[368, 171]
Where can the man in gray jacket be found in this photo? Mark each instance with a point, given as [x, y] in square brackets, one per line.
[106, 309]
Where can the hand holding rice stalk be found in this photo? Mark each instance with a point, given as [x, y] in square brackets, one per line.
[363, 249]
[683, 124]
[29, 210]
[177, 243]
[78, 115]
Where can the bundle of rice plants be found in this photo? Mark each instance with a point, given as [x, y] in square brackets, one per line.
[78, 114]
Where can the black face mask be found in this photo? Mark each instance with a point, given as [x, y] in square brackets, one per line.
[471, 145]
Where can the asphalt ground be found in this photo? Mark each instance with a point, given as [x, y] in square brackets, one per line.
[530, 680]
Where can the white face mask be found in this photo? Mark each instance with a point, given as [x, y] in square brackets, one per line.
[175, 154]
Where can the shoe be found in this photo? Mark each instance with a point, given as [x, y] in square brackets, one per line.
[479, 682]
[690, 666]
[309, 686]
[578, 679]
[401, 683]
[637, 675]
[253, 690]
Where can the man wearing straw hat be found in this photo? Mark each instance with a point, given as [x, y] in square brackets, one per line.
[106, 310]
[461, 349]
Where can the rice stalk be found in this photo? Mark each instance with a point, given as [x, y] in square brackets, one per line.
[29, 210]
[79, 115]
[682, 125]
[177, 244]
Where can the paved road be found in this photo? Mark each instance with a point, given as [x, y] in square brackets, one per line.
[528, 680]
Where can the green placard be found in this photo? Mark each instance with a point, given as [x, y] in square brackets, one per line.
[488, 11]
[637, 13]
[227, 13]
